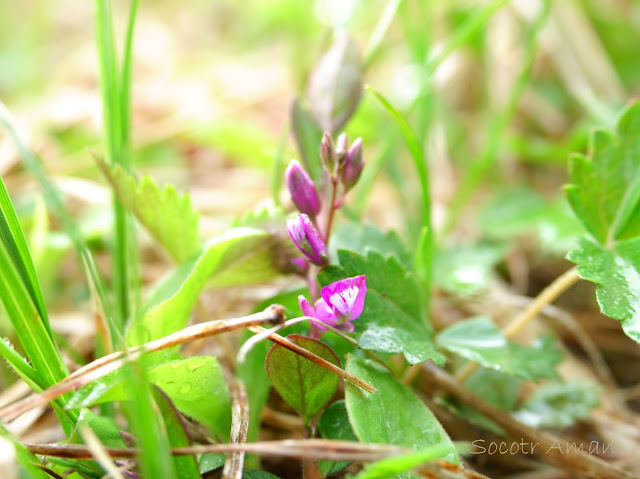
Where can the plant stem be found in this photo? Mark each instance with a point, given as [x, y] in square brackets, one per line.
[547, 296]
[332, 210]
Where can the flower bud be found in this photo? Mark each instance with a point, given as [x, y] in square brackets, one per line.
[341, 147]
[327, 151]
[302, 189]
[352, 165]
[307, 239]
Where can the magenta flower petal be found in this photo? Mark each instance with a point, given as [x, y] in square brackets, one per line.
[307, 239]
[346, 297]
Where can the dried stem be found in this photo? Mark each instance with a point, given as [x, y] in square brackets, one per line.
[100, 367]
[305, 353]
[552, 449]
[547, 296]
[239, 430]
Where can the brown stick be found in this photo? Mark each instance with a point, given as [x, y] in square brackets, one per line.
[301, 448]
[552, 449]
[239, 430]
[102, 366]
[285, 343]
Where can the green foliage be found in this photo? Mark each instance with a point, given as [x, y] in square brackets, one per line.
[466, 269]
[306, 386]
[26, 459]
[162, 211]
[559, 405]
[308, 136]
[393, 414]
[105, 428]
[617, 272]
[479, 340]
[391, 466]
[238, 256]
[605, 186]
[334, 424]
[195, 385]
[186, 466]
[394, 319]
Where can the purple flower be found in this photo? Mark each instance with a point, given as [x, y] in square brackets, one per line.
[307, 239]
[341, 303]
[352, 164]
[302, 189]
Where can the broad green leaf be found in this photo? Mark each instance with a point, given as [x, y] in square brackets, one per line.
[605, 185]
[212, 461]
[394, 319]
[466, 269]
[195, 385]
[238, 256]
[393, 414]
[168, 216]
[335, 85]
[308, 137]
[392, 466]
[617, 273]
[25, 458]
[306, 386]
[105, 428]
[479, 340]
[334, 424]
[256, 474]
[559, 405]
[362, 238]
[186, 466]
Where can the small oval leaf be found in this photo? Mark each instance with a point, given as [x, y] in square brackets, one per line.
[306, 386]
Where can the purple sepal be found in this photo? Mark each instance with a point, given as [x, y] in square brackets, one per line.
[352, 165]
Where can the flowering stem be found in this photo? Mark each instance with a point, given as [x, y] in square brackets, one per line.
[332, 209]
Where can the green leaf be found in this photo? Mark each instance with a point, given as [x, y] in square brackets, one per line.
[186, 466]
[256, 474]
[391, 466]
[105, 428]
[25, 458]
[356, 237]
[393, 414]
[617, 273]
[605, 185]
[306, 386]
[479, 340]
[168, 216]
[334, 424]
[238, 256]
[466, 269]
[211, 461]
[195, 385]
[559, 405]
[335, 84]
[394, 319]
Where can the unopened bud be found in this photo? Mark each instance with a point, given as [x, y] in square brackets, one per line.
[352, 165]
[307, 239]
[327, 151]
[341, 147]
[302, 189]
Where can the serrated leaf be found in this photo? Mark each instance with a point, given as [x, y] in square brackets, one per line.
[335, 85]
[334, 424]
[617, 273]
[237, 257]
[186, 465]
[394, 319]
[479, 340]
[167, 215]
[605, 185]
[558, 405]
[306, 386]
[195, 385]
[393, 414]
[466, 269]
[357, 237]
